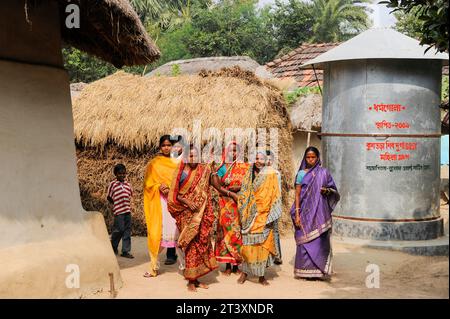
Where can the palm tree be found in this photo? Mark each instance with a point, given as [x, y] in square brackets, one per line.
[148, 9]
[338, 20]
[166, 13]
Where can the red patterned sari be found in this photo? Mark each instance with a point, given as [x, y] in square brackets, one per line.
[195, 227]
[229, 239]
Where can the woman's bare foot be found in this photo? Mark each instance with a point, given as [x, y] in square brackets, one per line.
[227, 271]
[242, 278]
[201, 285]
[149, 275]
[263, 281]
[191, 286]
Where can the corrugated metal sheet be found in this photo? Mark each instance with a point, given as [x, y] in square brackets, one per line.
[378, 43]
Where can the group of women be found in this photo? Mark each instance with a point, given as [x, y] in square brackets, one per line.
[180, 215]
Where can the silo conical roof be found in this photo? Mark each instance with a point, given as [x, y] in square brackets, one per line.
[378, 43]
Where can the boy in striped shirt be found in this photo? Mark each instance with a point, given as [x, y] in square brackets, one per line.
[119, 195]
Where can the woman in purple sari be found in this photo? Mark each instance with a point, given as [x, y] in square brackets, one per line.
[316, 196]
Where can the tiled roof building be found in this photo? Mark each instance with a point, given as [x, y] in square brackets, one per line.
[288, 66]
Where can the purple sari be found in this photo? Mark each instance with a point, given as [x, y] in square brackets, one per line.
[313, 257]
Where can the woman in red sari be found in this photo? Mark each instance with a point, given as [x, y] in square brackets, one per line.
[227, 180]
[189, 203]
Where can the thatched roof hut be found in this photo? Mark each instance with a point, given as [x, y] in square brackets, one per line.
[306, 119]
[194, 66]
[111, 30]
[306, 114]
[49, 229]
[121, 117]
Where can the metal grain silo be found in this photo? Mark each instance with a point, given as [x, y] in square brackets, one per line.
[381, 135]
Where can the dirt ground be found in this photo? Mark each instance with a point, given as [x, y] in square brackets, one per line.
[401, 276]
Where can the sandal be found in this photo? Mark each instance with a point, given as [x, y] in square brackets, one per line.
[127, 255]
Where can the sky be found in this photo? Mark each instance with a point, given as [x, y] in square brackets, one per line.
[380, 15]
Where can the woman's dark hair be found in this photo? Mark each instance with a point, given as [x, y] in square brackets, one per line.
[118, 168]
[177, 139]
[164, 138]
[312, 149]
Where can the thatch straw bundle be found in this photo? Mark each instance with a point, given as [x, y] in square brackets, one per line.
[111, 30]
[121, 117]
[306, 115]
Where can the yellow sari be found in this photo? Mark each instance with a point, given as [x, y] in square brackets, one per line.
[160, 170]
[259, 206]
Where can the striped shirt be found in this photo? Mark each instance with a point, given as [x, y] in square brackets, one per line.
[121, 195]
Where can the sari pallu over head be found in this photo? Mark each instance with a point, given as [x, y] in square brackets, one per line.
[315, 208]
[236, 170]
[259, 205]
[195, 188]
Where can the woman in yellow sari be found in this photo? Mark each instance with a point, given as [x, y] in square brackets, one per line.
[259, 205]
[161, 227]
[189, 202]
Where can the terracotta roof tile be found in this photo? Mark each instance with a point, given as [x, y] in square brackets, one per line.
[289, 64]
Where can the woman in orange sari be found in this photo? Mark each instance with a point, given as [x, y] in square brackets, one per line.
[227, 180]
[190, 204]
[161, 228]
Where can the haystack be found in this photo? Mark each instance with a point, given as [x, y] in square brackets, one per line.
[121, 117]
[215, 63]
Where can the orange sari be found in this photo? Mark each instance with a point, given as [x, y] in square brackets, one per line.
[195, 227]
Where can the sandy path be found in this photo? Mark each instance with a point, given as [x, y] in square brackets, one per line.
[402, 276]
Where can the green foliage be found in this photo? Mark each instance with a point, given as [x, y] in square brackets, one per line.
[175, 70]
[433, 20]
[173, 45]
[233, 28]
[408, 23]
[444, 93]
[167, 14]
[291, 97]
[83, 67]
[293, 24]
[184, 29]
[338, 20]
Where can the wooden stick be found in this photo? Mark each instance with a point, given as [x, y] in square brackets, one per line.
[111, 285]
